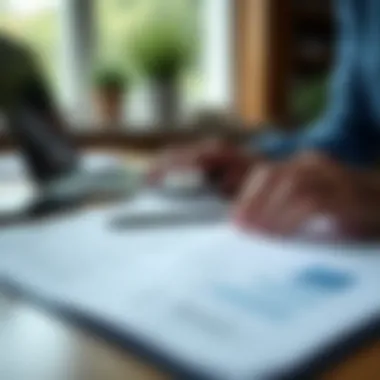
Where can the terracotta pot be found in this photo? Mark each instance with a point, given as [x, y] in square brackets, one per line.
[109, 102]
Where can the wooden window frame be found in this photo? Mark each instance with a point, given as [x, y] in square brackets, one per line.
[263, 66]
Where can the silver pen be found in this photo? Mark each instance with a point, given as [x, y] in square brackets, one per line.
[180, 218]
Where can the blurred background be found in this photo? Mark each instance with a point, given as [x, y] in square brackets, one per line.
[126, 64]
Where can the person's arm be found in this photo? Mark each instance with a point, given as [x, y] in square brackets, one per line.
[346, 131]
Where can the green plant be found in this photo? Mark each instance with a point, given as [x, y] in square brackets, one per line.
[162, 41]
[309, 99]
[110, 79]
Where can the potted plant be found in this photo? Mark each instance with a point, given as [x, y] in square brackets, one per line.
[309, 98]
[110, 86]
[161, 44]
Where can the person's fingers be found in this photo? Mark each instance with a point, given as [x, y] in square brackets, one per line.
[295, 184]
[234, 178]
[291, 219]
[282, 198]
[330, 189]
[211, 160]
[359, 220]
[249, 206]
[322, 175]
[157, 169]
[205, 155]
[278, 204]
[171, 158]
[315, 160]
[228, 167]
[212, 145]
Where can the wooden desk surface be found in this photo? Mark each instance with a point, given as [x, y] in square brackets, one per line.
[35, 345]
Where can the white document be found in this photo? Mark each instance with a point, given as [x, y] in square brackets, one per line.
[230, 305]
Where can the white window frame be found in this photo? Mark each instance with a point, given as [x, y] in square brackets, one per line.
[218, 52]
[78, 31]
[77, 52]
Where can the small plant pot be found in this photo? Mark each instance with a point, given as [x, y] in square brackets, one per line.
[167, 101]
[110, 105]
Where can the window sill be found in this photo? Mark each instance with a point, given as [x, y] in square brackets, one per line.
[123, 137]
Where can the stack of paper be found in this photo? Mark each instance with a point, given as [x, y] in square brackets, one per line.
[209, 298]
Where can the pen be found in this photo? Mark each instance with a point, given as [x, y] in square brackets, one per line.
[173, 219]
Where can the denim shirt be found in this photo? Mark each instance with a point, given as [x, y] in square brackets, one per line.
[349, 130]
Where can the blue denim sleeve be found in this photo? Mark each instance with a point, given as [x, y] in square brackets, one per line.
[346, 145]
[346, 131]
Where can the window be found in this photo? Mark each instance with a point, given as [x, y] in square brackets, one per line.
[37, 23]
[113, 17]
[73, 36]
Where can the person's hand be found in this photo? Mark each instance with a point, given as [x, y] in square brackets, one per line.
[224, 165]
[280, 198]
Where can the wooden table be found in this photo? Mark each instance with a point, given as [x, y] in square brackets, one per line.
[36, 345]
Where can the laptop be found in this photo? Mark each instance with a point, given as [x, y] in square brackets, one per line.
[59, 177]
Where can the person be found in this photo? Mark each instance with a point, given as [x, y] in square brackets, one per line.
[330, 169]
